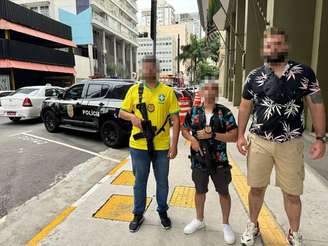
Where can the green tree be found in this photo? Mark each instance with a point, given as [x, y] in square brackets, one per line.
[194, 52]
[206, 70]
[117, 71]
[195, 55]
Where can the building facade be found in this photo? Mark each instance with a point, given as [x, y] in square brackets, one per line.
[35, 49]
[192, 22]
[166, 49]
[165, 14]
[105, 32]
[244, 23]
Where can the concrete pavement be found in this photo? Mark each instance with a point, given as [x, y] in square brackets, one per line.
[100, 217]
[82, 228]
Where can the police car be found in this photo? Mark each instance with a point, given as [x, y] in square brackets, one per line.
[91, 106]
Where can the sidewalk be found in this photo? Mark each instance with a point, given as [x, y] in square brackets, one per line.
[101, 216]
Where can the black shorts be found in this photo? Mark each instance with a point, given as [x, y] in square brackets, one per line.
[221, 179]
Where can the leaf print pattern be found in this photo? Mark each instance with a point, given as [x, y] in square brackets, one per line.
[291, 108]
[275, 121]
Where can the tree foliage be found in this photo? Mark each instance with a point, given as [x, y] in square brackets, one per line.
[199, 56]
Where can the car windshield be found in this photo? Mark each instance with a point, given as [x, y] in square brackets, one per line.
[27, 91]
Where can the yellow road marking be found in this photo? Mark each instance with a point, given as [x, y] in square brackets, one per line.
[183, 197]
[117, 167]
[60, 218]
[46, 230]
[271, 232]
[119, 208]
[125, 178]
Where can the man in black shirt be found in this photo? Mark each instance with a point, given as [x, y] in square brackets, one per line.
[276, 92]
[209, 127]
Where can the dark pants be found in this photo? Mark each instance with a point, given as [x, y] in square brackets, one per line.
[141, 167]
[221, 180]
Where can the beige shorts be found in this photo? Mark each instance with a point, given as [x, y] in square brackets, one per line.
[287, 158]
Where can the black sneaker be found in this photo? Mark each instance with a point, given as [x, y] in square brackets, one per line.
[165, 221]
[136, 223]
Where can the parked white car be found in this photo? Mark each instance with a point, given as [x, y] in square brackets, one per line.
[5, 93]
[26, 102]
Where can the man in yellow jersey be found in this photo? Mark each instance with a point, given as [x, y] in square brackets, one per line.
[148, 106]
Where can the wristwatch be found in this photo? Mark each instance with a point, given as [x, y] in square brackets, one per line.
[322, 139]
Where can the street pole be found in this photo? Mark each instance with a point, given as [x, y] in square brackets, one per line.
[153, 25]
[178, 56]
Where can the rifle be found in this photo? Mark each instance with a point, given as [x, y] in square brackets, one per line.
[206, 156]
[148, 131]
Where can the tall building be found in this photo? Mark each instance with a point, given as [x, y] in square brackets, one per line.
[192, 22]
[165, 14]
[167, 46]
[166, 50]
[105, 32]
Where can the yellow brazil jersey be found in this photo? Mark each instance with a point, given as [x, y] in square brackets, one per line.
[160, 102]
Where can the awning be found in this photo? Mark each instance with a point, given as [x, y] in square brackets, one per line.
[4, 24]
[5, 63]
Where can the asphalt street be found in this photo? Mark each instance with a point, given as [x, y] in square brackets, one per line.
[33, 160]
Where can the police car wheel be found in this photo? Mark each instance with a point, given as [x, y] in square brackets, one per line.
[51, 121]
[111, 134]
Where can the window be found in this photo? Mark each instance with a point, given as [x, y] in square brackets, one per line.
[97, 90]
[118, 91]
[44, 10]
[27, 91]
[74, 92]
[104, 90]
[94, 91]
[51, 92]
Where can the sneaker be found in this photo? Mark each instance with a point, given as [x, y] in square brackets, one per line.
[229, 235]
[295, 238]
[136, 223]
[165, 221]
[251, 233]
[193, 226]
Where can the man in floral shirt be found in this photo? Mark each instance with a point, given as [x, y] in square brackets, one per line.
[276, 92]
[211, 125]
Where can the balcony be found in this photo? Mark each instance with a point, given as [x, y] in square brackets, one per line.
[113, 7]
[115, 26]
[132, 3]
[20, 15]
[20, 51]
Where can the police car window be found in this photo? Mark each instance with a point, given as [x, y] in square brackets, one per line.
[75, 92]
[104, 90]
[118, 91]
[94, 91]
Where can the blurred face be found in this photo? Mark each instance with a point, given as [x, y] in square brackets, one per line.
[210, 92]
[275, 48]
[149, 71]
